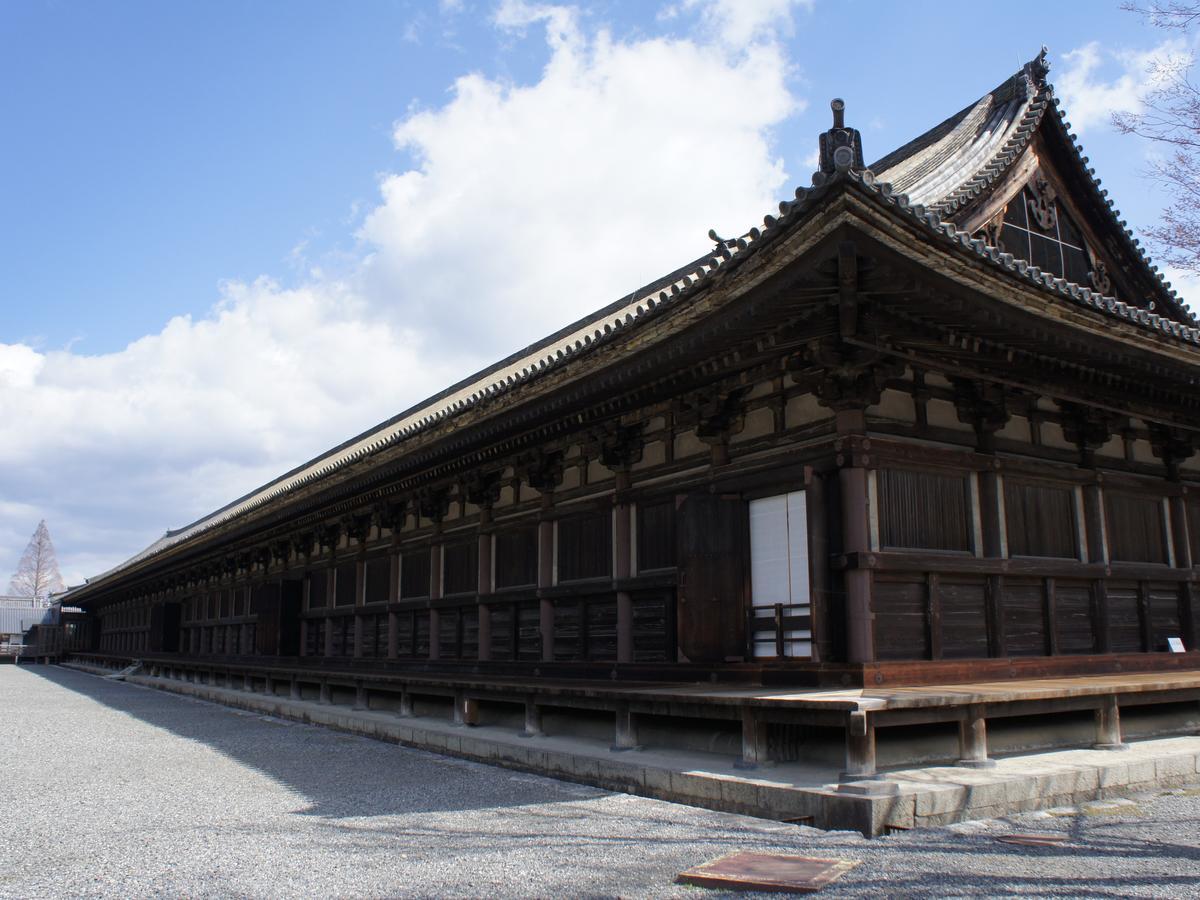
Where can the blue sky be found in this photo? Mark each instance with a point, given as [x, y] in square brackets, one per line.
[236, 233]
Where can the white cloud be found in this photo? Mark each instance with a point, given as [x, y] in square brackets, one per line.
[1091, 99]
[529, 206]
[745, 22]
[534, 205]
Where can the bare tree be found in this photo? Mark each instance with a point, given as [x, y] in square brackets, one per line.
[1171, 117]
[37, 573]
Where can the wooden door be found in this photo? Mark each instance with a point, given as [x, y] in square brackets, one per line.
[711, 553]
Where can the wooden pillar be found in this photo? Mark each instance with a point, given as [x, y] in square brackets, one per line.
[435, 593]
[1180, 535]
[856, 539]
[860, 747]
[330, 598]
[546, 580]
[486, 586]
[393, 640]
[623, 568]
[972, 739]
[466, 709]
[626, 734]
[754, 740]
[816, 513]
[533, 718]
[1108, 725]
[1097, 539]
[360, 588]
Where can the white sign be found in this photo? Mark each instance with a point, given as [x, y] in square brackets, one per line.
[1176, 645]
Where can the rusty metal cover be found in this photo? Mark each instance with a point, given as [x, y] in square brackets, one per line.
[767, 872]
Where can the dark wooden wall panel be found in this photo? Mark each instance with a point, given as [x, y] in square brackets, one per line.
[1136, 531]
[901, 622]
[964, 618]
[503, 620]
[568, 616]
[317, 589]
[1023, 610]
[406, 634]
[461, 567]
[1074, 617]
[470, 633]
[1165, 621]
[529, 636]
[656, 535]
[516, 557]
[924, 510]
[345, 585]
[448, 642]
[712, 537]
[370, 636]
[314, 642]
[1041, 520]
[1124, 620]
[585, 547]
[421, 637]
[378, 576]
[654, 628]
[602, 630]
[414, 574]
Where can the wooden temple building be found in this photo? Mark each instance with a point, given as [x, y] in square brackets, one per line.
[934, 422]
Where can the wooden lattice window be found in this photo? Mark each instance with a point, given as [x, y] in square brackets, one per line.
[924, 511]
[460, 567]
[1041, 520]
[585, 547]
[414, 573]
[516, 557]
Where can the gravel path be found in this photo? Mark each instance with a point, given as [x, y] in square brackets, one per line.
[115, 790]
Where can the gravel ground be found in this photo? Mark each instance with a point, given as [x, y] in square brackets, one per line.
[115, 790]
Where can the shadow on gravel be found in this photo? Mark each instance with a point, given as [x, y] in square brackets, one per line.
[339, 775]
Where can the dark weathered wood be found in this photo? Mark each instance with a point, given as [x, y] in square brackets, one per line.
[1041, 519]
[585, 546]
[924, 510]
[712, 552]
[1135, 528]
[516, 557]
[460, 561]
[933, 614]
[656, 534]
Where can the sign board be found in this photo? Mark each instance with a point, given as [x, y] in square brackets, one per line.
[1176, 645]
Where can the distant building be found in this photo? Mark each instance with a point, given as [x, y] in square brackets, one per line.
[18, 617]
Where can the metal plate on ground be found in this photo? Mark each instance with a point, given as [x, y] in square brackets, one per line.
[767, 872]
[1033, 840]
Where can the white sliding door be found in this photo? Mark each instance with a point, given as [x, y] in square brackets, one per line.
[779, 569]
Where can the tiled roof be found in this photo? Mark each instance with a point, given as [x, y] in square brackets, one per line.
[944, 168]
[953, 162]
